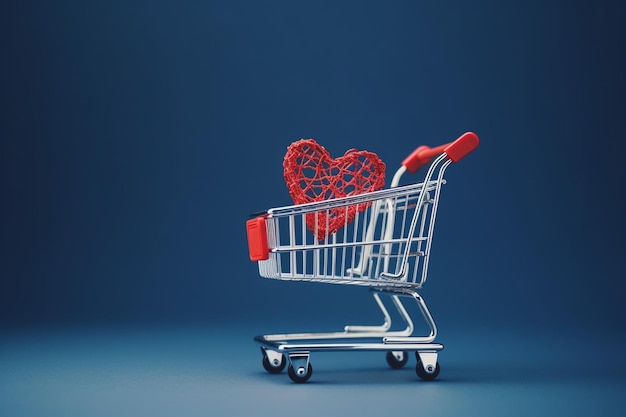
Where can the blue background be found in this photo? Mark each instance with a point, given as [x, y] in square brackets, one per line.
[136, 137]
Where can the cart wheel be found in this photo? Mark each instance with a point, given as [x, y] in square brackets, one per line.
[397, 359]
[301, 375]
[276, 367]
[427, 376]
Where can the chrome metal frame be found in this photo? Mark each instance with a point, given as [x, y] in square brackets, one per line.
[386, 247]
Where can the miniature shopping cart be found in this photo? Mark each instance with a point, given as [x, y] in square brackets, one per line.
[385, 247]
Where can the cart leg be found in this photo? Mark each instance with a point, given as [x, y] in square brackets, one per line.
[427, 317]
[382, 328]
[404, 314]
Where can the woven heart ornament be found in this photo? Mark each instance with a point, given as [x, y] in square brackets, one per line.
[311, 174]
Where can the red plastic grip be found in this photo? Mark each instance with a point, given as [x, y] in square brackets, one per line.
[456, 151]
[420, 157]
[465, 144]
[257, 239]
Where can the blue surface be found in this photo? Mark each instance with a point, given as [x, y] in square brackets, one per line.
[217, 371]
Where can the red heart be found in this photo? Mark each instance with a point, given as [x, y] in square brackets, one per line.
[312, 175]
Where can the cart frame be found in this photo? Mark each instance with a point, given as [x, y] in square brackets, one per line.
[385, 247]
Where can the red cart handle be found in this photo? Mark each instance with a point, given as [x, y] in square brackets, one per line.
[456, 151]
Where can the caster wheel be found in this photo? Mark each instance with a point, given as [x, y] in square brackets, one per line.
[424, 374]
[397, 359]
[300, 375]
[275, 366]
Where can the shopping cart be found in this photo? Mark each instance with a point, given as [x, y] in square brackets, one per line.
[385, 247]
